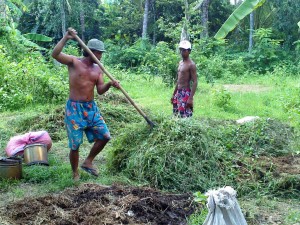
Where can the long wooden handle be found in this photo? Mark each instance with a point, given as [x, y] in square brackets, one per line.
[110, 77]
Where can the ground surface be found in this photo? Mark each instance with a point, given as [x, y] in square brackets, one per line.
[95, 204]
[246, 87]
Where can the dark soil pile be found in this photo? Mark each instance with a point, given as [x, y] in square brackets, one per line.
[94, 204]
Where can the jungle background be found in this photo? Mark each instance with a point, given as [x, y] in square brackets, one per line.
[252, 71]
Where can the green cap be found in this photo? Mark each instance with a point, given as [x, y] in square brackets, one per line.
[95, 44]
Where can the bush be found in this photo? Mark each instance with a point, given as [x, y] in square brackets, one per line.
[128, 57]
[162, 61]
[29, 81]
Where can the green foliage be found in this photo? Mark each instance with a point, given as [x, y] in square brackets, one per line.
[158, 158]
[290, 102]
[243, 10]
[28, 81]
[286, 29]
[265, 54]
[162, 61]
[198, 217]
[222, 99]
[132, 56]
[262, 138]
[38, 37]
[6, 184]
[127, 57]
[116, 111]
[293, 217]
[200, 198]
[189, 155]
[209, 47]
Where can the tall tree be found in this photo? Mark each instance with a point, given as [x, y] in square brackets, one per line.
[204, 18]
[63, 16]
[2, 10]
[145, 20]
[82, 21]
[184, 31]
[251, 31]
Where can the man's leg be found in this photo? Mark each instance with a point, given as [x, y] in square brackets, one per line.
[74, 160]
[96, 149]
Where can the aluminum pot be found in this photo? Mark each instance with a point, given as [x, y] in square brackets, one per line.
[11, 168]
[36, 154]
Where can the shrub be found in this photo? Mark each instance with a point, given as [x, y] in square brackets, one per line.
[29, 81]
[162, 61]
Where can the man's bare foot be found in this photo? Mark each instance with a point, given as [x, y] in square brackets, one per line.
[76, 176]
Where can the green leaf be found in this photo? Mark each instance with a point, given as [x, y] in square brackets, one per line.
[199, 197]
[298, 24]
[243, 10]
[38, 37]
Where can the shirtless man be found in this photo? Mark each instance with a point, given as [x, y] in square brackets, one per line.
[81, 112]
[183, 95]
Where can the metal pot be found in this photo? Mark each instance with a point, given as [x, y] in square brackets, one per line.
[36, 154]
[11, 168]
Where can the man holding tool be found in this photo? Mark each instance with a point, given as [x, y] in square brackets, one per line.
[81, 111]
[183, 94]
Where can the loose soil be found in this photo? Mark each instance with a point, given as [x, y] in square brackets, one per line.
[246, 88]
[95, 204]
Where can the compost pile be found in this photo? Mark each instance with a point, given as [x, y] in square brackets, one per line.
[95, 204]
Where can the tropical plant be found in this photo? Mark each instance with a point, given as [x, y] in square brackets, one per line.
[243, 10]
[266, 52]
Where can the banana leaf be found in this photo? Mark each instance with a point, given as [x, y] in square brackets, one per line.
[38, 37]
[240, 13]
[298, 24]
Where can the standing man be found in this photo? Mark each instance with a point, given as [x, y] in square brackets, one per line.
[183, 95]
[81, 111]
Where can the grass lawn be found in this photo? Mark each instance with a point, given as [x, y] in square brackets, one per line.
[266, 97]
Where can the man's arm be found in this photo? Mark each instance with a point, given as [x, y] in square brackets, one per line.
[104, 87]
[57, 51]
[175, 89]
[194, 78]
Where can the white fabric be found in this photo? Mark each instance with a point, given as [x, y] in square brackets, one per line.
[247, 119]
[223, 208]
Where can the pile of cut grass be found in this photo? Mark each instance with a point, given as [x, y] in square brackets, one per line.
[116, 111]
[200, 154]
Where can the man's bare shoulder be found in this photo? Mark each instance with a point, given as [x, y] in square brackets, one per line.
[192, 62]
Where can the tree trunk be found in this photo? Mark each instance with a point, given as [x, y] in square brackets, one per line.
[251, 32]
[63, 17]
[184, 31]
[204, 18]
[82, 21]
[2, 12]
[154, 22]
[145, 21]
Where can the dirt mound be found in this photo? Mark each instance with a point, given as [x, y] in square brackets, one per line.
[94, 204]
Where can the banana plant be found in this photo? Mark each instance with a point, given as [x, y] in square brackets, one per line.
[37, 37]
[243, 10]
